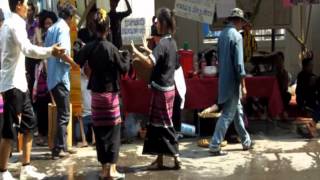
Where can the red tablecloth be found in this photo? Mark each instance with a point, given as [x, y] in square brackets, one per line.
[201, 93]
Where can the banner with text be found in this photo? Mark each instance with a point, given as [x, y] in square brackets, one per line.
[133, 29]
[197, 10]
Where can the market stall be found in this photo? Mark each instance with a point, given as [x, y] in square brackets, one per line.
[201, 93]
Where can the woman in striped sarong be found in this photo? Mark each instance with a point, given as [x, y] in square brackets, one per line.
[161, 137]
[106, 65]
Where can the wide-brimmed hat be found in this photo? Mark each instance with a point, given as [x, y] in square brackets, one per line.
[237, 13]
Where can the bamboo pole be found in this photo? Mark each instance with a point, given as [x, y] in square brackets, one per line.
[83, 17]
[299, 40]
[309, 22]
[302, 17]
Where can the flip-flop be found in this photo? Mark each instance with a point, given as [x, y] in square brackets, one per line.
[156, 166]
[119, 176]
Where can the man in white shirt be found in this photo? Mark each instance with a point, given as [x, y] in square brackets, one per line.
[18, 112]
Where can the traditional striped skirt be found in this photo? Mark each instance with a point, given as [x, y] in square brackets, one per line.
[161, 136]
[161, 108]
[105, 109]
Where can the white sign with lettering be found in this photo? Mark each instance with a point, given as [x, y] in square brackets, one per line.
[133, 29]
[197, 10]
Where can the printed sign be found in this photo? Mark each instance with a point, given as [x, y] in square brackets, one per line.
[133, 29]
[197, 10]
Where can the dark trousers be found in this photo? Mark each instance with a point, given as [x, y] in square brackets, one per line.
[61, 96]
[107, 143]
[41, 110]
[176, 114]
[30, 69]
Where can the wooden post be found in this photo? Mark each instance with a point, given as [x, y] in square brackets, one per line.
[302, 16]
[52, 113]
[52, 126]
[308, 25]
[69, 129]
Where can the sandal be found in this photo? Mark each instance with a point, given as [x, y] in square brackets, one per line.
[119, 176]
[157, 164]
[82, 145]
[177, 164]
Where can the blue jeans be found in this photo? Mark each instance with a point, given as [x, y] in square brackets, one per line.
[231, 111]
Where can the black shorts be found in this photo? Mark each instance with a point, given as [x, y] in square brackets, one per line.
[17, 102]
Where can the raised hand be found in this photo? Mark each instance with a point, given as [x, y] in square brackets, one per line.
[57, 51]
[145, 45]
[134, 49]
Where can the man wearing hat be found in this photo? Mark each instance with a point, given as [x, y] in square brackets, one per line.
[231, 83]
[59, 76]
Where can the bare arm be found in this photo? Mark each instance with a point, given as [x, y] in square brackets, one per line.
[29, 49]
[243, 87]
[69, 60]
[125, 13]
[145, 46]
[141, 56]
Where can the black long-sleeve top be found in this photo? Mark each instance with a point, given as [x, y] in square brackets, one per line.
[106, 65]
[115, 25]
[306, 91]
